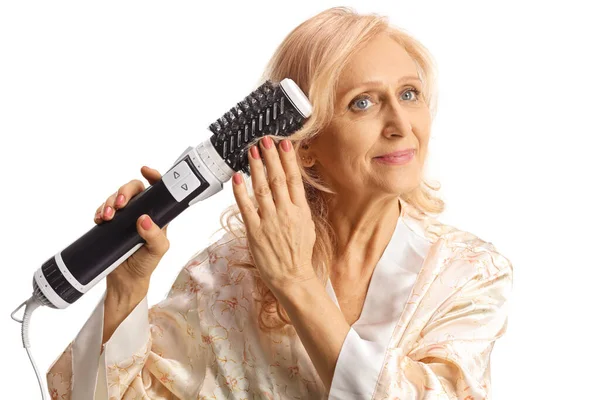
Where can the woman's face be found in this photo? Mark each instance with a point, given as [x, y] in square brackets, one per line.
[378, 110]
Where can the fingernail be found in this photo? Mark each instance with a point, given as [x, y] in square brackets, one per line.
[108, 211]
[146, 223]
[286, 145]
[237, 178]
[267, 142]
[254, 152]
[120, 200]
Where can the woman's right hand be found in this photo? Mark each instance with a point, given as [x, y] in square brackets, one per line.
[134, 273]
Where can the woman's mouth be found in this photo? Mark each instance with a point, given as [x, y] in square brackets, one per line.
[396, 160]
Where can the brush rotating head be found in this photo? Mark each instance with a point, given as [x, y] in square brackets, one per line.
[271, 109]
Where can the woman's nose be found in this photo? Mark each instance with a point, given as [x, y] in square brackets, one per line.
[397, 119]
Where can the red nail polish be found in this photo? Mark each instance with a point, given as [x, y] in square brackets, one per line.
[146, 223]
[254, 152]
[267, 142]
[286, 145]
[237, 178]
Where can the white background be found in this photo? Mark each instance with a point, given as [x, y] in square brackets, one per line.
[91, 91]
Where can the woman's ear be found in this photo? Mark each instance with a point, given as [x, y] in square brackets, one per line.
[307, 160]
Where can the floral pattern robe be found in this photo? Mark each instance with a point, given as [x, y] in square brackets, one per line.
[450, 293]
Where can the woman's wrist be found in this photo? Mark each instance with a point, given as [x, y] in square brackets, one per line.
[126, 291]
[125, 300]
[119, 302]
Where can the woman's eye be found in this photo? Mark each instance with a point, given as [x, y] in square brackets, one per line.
[415, 91]
[361, 103]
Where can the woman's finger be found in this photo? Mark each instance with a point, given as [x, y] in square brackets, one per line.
[127, 192]
[262, 191]
[247, 209]
[98, 217]
[151, 175]
[275, 172]
[121, 197]
[287, 155]
[108, 211]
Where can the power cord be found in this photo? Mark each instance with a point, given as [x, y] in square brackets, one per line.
[30, 305]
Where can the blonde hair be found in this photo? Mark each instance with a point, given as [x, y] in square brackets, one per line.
[314, 55]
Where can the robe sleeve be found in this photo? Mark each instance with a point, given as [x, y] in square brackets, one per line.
[153, 354]
[357, 368]
[451, 358]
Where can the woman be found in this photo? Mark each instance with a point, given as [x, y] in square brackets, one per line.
[337, 282]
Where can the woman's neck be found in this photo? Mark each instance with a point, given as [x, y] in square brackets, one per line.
[363, 230]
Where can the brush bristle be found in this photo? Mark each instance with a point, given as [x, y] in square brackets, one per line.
[265, 111]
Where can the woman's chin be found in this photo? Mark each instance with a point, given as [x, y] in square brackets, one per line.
[403, 185]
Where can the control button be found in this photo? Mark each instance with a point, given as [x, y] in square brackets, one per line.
[183, 187]
[177, 174]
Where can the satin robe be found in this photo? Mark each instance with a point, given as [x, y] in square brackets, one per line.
[203, 341]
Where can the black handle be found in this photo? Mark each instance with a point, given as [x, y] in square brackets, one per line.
[98, 249]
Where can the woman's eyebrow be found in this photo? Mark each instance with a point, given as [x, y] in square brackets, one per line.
[376, 82]
[379, 82]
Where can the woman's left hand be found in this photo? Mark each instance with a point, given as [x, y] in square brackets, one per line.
[281, 233]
